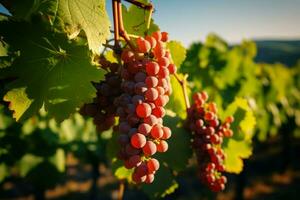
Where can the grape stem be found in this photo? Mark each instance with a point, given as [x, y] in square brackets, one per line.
[121, 190]
[149, 18]
[183, 84]
[116, 22]
[122, 30]
[141, 5]
[119, 29]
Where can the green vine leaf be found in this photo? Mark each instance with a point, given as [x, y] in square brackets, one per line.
[244, 123]
[178, 52]
[51, 72]
[235, 152]
[243, 128]
[135, 20]
[71, 16]
[87, 15]
[179, 145]
[177, 103]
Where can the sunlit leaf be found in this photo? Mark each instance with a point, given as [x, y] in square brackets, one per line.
[135, 20]
[178, 52]
[235, 152]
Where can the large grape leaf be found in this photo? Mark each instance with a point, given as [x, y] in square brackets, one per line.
[51, 71]
[179, 145]
[244, 120]
[178, 52]
[71, 16]
[135, 20]
[239, 146]
[177, 103]
[235, 152]
[87, 15]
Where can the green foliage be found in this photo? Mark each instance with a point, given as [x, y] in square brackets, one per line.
[70, 16]
[50, 69]
[177, 51]
[179, 145]
[47, 71]
[239, 146]
[50, 178]
[235, 152]
[135, 20]
[177, 102]
[177, 99]
[244, 120]
[163, 185]
[89, 16]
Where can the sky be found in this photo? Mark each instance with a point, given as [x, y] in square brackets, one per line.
[233, 20]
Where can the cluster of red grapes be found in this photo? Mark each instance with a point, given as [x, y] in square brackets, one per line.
[146, 89]
[208, 133]
[102, 110]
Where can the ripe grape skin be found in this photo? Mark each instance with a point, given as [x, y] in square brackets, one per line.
[143, 45]
[146, 86]
[151, 94]
[153, 165]
[162, 146]
[150, 148]
[157, 131]
[152, 68]
[208, 133]
[138, 140]
[151, 81]
[143, 110]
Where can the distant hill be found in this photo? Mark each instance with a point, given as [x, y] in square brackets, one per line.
[283, 51]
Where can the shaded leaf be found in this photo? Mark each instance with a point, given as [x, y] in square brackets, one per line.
[179, 145]
[51, 72]
[71, 16]
[163, 184]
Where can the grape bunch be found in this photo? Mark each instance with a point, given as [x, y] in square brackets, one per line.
[146, 86]
[102, 109]
[208, 133]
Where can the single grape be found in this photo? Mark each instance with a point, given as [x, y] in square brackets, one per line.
[152, 68]
[143, 45]
[143, 110]
[166, 133]
[144, 129]
[149, 178]
[164, 36]
[157, 131]
[151, 94]
[162, 146]
[153, 165]
[157, 35]
[151, 81]
[172, 68]
[138, 140]
[149, 149]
